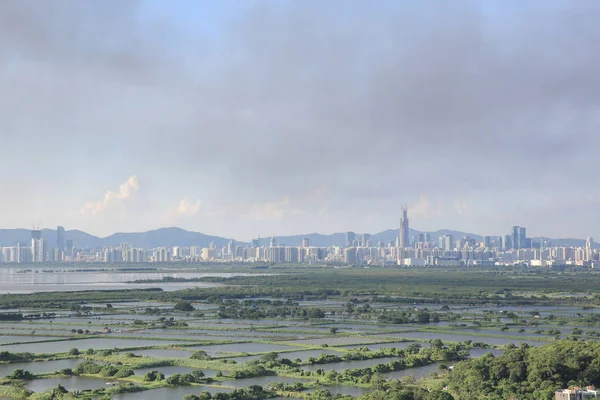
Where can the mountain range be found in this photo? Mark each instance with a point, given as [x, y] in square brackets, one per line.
[180, 237]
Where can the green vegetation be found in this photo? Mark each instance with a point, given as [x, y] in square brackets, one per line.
[528, 372]
[335, 324]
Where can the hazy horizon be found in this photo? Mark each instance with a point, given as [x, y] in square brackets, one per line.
[244, 118]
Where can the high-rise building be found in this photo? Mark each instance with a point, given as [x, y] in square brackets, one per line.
[350, 255]
[38, 250]
[255, 243]
[589, 243]
[403, 234]
[305, 242]
[448, 242]
[36, 234]
[273, 242]
[487, 241]
[69, 245]
[365, 239]
[515, 238]
[60, 238]
[349, 238]
[523, 243]
[507, 242]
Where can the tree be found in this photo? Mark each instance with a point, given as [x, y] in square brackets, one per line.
[153, 376]
[439, 395]
[377, 381]
[205, 395]
[316, 313]
[198, 374]
[124, 373]
[183, 306]
[409, 380]
[333, 330]
[174, 379]
[21, 374]
[269, 357]
[200, 355]
[58, 391]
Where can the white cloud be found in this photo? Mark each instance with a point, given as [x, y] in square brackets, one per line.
[272, 211]
[127, 191]
[424, 208]
[187, 208]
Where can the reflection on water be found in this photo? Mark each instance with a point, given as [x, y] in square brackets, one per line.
[72, 383]
[50, 279]
[39, 366]
[169, 393]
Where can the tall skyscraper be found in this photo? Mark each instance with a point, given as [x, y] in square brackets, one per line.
[589, 243]
[305, 242]
[38, 250]
[487, 241]
[404, 241]
[523, 244]
[507, 242]
[349, 238]
[60, 237]
[515, 238]
[365, 239]
[36, 233]
[448, 242]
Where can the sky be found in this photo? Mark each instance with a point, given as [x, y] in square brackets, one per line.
[242, 118]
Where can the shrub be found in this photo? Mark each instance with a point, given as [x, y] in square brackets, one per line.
[87, 367]
[109, 370]
[124, 373]
[198, 375]
[200, 355]
[153, 376]
[184, 306]
[21, 374]
[174, 379]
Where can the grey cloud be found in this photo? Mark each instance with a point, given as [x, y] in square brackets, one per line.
[380, 100]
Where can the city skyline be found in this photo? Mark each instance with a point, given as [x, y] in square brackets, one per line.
[226, 116]
[448, 249]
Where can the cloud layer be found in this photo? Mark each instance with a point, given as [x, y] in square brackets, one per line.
[111, 199]
[478, 116]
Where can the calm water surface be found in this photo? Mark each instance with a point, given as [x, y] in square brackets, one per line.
[52, 279]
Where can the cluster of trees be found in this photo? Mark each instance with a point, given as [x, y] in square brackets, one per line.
[528, 372]
[391, 390]
[406, 317]
[196, 376]
[6, 356]
[412, 355]
[184, 306]
[254, 392]
[91, 368]
[21, 374]
[264, 310]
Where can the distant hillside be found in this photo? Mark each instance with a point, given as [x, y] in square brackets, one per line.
[165, 237]
[181, 237]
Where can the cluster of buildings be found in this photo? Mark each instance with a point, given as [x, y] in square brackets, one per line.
[577, 393]
[420, 250]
